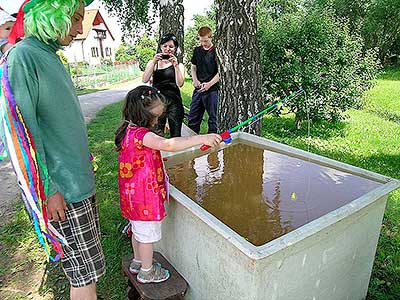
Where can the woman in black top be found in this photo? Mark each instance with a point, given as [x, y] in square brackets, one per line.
[168, 77]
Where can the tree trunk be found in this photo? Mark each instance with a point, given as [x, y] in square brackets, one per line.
[171, 21]
[239, 63]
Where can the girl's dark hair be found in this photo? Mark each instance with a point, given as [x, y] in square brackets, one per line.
[169, 37]
[136, 110]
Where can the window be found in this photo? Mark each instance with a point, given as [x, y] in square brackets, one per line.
[108, 51]
[95, 52]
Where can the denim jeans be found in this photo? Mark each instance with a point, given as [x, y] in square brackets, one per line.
[201, 102]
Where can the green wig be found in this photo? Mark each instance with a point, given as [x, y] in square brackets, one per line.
[48, 20]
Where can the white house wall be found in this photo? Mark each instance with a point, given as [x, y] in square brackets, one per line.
[92, 42]
[73, 52]
[110, 43]
[81, 50]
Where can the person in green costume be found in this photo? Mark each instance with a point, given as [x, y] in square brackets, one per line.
[47, 99]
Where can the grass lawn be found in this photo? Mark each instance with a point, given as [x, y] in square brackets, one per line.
[89, 91]
[368, 138]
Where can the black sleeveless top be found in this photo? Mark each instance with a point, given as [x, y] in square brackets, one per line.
[164, 80]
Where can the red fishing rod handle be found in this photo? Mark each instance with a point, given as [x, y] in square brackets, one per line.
[226, 137]
[204, 147]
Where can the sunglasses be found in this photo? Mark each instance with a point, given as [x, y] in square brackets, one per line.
[170, 37]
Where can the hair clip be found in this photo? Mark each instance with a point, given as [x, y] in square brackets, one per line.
[150, 92]
[158, 92]
[142, 96]
[130, 123]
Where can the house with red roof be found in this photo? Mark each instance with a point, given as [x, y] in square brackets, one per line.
[95, 44]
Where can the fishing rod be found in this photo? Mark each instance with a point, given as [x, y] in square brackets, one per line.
[226, 135]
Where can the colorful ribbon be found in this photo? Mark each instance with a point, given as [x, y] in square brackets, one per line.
[32, 174]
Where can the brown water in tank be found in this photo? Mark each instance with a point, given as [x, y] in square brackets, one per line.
[262, 194]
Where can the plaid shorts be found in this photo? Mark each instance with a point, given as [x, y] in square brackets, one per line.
[83, 262]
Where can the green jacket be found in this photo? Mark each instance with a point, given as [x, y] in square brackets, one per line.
[47, 99]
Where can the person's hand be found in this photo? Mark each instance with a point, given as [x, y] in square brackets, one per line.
[157, 57]
[56, 207]
[212, 139]
[173, 60]
[205, 86]
[196, 84]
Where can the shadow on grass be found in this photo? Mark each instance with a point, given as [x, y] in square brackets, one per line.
[54, 282]
[284, 127]
[391, 74]
[392, 116]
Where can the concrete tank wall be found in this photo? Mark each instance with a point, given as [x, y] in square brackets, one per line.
[329, 258]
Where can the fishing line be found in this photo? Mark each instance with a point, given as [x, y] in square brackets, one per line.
[308, 150]
[226, 135]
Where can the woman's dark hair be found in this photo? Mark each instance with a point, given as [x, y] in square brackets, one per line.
[169, 37]
[136, 110]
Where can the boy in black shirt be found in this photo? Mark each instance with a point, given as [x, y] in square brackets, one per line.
[205, 80]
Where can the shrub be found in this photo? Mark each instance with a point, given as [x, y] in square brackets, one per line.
[144, 55]
[125, 52]
[317, 52]
[145, 50]
[106, 62]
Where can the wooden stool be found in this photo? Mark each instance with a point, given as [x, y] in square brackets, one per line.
[172, 289]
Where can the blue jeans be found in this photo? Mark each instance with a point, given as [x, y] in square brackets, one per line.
[201, 102]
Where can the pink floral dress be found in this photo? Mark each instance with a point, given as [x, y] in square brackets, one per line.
[142, 181]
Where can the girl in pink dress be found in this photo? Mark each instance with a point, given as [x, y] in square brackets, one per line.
[143, 184]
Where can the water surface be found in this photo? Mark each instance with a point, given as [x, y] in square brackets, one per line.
[262, 194]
